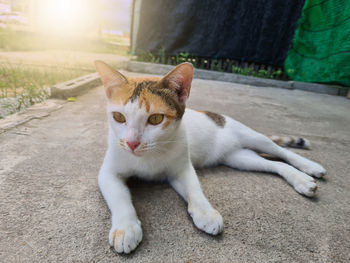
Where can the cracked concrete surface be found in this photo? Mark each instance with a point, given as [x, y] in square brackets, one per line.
[52, 211]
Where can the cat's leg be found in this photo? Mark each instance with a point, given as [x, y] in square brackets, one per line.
[260, 143]
[204, 216]
[126, 232]
[249, 160]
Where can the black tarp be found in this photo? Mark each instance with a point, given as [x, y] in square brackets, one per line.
[257, 31]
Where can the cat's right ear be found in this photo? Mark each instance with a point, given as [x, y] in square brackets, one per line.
[180, 79]
[111, 78]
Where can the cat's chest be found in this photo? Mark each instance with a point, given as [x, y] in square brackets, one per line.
[145, 168]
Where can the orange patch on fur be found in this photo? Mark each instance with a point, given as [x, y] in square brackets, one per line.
[158, 105]
[116, 235]
[146, 98]
[200, 111]
[121, 95]
[143, 100]
[270, 157]
[278, 140]
[189, 204]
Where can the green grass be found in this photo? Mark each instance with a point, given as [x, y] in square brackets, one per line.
[29, 84]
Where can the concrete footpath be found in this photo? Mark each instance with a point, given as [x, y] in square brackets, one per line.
[52, 211]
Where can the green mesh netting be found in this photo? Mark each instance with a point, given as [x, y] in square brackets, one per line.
[320, 50]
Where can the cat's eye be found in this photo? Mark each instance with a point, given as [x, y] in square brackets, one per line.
[155, 119]
[118, 117]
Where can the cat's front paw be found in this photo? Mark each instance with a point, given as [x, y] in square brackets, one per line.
[305, 184]
[125, 238]
[210, 220]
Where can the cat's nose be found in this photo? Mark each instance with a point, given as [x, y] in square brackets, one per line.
[133, 145]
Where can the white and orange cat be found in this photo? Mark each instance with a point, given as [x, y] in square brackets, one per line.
[153, 136]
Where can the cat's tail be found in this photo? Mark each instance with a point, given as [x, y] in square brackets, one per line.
[291, 141]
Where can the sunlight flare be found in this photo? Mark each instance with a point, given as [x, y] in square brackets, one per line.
[65, 17]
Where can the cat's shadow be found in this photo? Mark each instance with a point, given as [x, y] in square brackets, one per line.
[138, 187]
[145, 189]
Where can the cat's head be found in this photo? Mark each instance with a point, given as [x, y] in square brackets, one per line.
[144, 113]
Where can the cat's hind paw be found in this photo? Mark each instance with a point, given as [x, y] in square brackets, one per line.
[313, 169]
[317, 171]
[209, 221]
[125, 239]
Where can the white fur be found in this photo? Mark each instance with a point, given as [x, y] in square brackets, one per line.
[171, 154]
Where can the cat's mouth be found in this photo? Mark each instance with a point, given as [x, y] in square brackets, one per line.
[138, 151]
[135, 153]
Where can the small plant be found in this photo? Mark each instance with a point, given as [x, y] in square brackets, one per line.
[30, 96]
[237, 70]
[182, 57]
[147, 57]
[161, 55]
[217, 66]
[262, 73]
[277, 73]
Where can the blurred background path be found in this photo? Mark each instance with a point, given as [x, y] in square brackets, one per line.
[60, 58]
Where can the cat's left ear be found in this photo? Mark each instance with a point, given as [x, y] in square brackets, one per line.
[111, 78]
[180, 79]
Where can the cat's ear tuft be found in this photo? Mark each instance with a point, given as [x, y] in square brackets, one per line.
[180, 79]
[111, 78]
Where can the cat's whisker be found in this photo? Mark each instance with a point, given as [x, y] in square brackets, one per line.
[151, 148]
[168, 141]
[160, 149]
[156, 150]
[165, 142]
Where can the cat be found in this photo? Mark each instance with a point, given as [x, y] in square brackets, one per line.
[153, 135]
